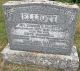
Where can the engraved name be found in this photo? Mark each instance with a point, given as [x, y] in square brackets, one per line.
[39, 17]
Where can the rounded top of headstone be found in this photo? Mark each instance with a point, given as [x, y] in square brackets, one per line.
[67, 5]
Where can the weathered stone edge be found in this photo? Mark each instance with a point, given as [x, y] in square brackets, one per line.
[43, 2]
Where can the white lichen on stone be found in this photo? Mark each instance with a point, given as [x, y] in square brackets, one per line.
[44, 2]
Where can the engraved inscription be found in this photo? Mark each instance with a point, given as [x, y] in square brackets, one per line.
[39, 17]
[39, 35]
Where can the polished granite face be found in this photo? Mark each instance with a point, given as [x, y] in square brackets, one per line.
[40, 27]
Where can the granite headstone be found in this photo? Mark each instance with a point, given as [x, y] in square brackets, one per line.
[40, 27]
[41, 34]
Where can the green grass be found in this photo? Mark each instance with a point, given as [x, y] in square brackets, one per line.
[3, 37]
[77, 44]
[3, 42]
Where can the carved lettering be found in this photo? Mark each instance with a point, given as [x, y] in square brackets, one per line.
[39, 17]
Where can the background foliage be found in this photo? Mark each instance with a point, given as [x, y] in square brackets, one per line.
[70, 1]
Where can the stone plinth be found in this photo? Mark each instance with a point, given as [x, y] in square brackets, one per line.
[65, 62]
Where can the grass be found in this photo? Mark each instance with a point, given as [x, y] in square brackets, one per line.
[3, 42]
[77, 44]
[3, 37]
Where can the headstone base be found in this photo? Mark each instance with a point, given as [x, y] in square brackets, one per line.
[65, 62]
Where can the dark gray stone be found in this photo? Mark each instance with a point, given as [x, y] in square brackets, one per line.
[46, 27]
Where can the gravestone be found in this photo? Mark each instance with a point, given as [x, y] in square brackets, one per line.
[40, 27]
[41, 33]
